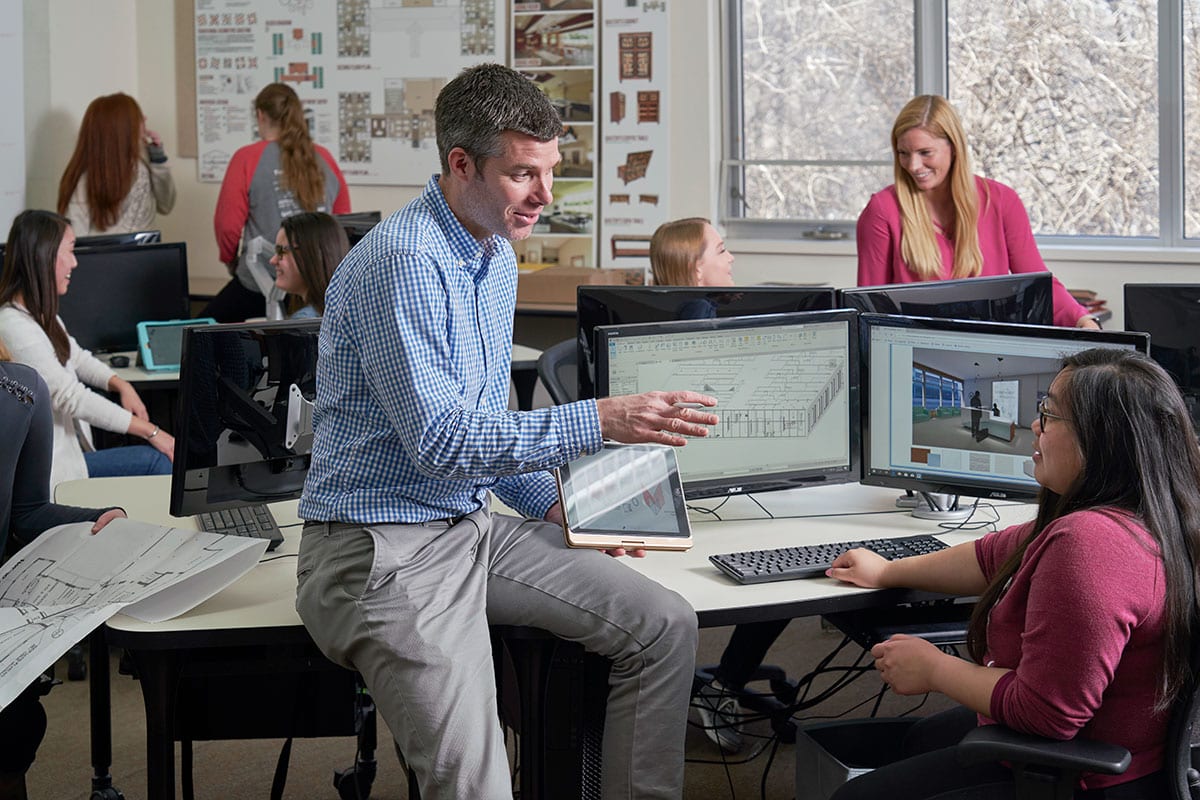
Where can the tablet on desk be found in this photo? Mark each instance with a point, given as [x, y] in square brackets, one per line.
[160, 344]
[626, 495]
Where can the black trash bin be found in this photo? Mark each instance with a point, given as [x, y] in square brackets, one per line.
[830, 753]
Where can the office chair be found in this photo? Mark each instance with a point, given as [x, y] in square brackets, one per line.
[557, 367]
[1046, 769]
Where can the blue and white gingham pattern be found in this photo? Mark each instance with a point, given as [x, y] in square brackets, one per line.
[411, 418]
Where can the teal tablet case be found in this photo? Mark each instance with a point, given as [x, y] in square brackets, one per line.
[161, 343]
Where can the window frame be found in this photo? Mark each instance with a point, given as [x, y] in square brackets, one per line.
[931, 68]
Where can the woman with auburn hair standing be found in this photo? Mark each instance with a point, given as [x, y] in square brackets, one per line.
[939, 220]
[282, 175]
[118, 176]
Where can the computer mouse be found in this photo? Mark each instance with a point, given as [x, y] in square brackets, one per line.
[119, 361]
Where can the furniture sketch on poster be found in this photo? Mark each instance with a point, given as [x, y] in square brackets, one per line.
[367, 74]
[633, 144]
[554, 45]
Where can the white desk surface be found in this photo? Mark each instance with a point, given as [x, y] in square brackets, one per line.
[845, 512]
[136, 374]
[265, 597]
[521, 354]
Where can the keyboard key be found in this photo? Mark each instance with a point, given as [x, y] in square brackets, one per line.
[253, 521]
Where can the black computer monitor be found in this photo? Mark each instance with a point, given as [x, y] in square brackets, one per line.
[358, 223]
[1170, 313]
[1026, 298]
[245, 414]
[786, 386]
[112, 239]
[921, 429]
[619, 305]
[114, 288]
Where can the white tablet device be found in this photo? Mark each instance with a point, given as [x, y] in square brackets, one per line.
[626, 495]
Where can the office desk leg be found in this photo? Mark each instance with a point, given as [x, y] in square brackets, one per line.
[159, 673]
[524, 382]
[100, 700]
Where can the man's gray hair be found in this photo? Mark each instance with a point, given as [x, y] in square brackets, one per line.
[484, 101]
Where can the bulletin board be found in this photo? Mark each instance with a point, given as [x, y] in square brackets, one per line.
[367, 71]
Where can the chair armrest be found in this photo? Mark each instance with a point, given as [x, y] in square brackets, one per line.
[998, 743]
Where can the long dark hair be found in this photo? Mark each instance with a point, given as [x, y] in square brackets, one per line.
[30, 257]
[318, 245]
[1140, 455]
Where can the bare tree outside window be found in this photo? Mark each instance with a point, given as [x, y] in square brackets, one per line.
[1059, 98]
[821, 82]
[1060, 101]
[1191, 119]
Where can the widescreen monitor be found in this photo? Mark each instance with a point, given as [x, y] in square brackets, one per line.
[245, 414]
[620, 305]
[114, 288]
[112, 239]
[358, 223]
[1026, 298]
[1170, 313]
[948, 404]
[786, 386]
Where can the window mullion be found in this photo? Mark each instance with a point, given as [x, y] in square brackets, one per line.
[931, 48]
[1170, 123]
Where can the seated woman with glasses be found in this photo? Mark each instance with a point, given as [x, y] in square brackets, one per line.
[1084, 624]
[308, 249]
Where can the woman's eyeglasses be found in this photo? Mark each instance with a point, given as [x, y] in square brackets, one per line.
[1043, 414]
[282, 250]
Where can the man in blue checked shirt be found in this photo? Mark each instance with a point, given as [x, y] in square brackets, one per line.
[402, 566]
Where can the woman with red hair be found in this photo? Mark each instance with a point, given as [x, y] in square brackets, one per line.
[118, 176]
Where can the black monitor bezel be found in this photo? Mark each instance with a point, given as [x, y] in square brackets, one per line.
[792, 479]
[599, 295]
[181, 503]
[984, 287]
[991, 488]
[358, 224]
[149, 236]
[128, 342]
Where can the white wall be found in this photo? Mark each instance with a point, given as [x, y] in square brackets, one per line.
[78, 49]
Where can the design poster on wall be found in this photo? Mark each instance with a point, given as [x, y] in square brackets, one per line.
[554, 44]
[367, 71]
[634, 134]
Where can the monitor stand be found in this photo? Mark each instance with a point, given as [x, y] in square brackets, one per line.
[908, 500]
[940, 508]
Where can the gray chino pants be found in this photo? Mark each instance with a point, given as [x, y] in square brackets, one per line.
[408, 606]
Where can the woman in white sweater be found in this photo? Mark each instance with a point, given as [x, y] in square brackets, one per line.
[38, 261]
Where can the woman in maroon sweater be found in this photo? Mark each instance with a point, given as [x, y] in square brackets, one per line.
[1084, 622]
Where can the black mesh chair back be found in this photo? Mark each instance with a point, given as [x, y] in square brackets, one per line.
[557, 368]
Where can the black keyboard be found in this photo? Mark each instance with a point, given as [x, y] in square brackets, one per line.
[811, 561]
[253, 521]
